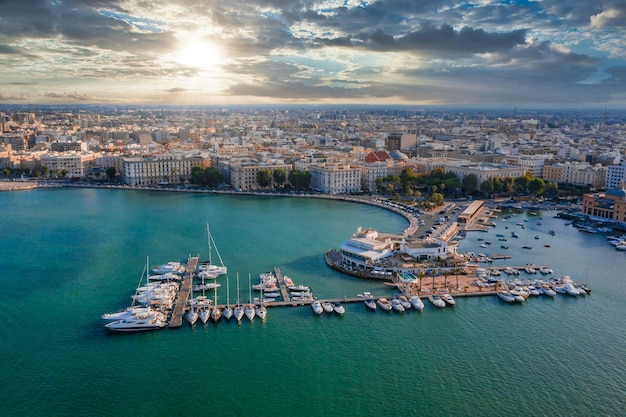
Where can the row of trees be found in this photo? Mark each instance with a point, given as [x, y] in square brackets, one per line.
[210, 176]
[411, 184]
[509, 185]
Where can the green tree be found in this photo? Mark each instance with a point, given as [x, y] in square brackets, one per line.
[436, 198]
[470, 183]
[536, 186]
[300, 179]
[279, 176]
[197, 175]
[212, 177]
[264, 177]
[110, 172]
[508, 185]
[487, 186]
[522, 183]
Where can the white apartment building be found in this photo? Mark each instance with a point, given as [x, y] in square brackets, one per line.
[243, 176]
[336, 178]
[533, 163]
[616, 176]
[373, 171]
[77, 164]
[163, 169]
[484, 171]
[584, 174]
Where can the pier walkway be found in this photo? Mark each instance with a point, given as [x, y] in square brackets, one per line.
[178, 312]
[281, 284]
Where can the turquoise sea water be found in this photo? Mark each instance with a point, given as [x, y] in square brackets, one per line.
[68, 255]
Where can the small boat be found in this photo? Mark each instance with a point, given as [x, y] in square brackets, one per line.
[216, 314]
[571, 290]
[288, 281]
[260, 311]
[299, 288]
[506, 296]
[504, 246]
[447, 298]
[536, 236]
[238, 312]
[397, 305]
[417, 303]
[338, 308]
[192, 316]
[436, 301]
[204, 315]
[248, 311]
[548, 291]
[327, 306]
[527, 247]
[405, 302]
[228, 312]
[317, 307]
[370, 303]
[547, 246]
[384, 304]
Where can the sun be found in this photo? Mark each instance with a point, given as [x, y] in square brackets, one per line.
[200, 54]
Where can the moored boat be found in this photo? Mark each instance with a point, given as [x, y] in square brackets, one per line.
[397, 305]
[370, 303]
[448, 299]
[338, 308]
[384, 304]
[327, 306]
[436, 300]
[317, 307]
[417, 302]
[136, 325]
[506, 296]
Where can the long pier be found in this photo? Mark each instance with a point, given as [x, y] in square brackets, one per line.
[176, 320]
[281, 284]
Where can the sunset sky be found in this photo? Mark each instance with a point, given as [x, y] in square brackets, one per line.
[299, 51]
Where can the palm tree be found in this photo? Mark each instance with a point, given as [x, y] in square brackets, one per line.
[421, 275]
[445, 277]
[457, 271]
[434, 273]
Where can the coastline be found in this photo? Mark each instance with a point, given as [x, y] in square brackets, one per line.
[17, 185]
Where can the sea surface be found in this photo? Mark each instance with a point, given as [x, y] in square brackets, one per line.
[69, 255]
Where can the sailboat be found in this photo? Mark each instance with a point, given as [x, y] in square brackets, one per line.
[227, 313]
[238, 311]
[259, 308]
[208, 270]
[249, 308]
[216, 313]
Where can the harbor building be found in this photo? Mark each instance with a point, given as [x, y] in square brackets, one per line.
[471, 212]
[610, 205]
[365, 248]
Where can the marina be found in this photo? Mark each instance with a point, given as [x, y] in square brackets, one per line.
[64, 341]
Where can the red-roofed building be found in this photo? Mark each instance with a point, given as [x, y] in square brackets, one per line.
[377, 156]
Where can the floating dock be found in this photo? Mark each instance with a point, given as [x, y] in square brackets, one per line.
[176, 320]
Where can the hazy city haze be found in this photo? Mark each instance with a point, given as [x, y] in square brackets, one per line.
[300, 51]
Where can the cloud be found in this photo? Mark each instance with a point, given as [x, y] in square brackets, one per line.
[71, 97]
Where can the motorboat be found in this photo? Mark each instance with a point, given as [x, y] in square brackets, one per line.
[274, 294]
[506, 296]
[317, 307]
[301, 288]
[548, 291]
[338, 308]
[206, 287]
[397, 305]
[570, 289]
[370, 303]
[384, 304]
[301, 294]
[288, 281]
[417, 302]
[447, 298]
[533, 290]
[517, 296]
[405, 302]
[136, 325]
[173, 267]
[436, 300]
[127, 313]
[327, 306]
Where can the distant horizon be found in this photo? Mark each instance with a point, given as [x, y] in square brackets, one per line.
[311, 52]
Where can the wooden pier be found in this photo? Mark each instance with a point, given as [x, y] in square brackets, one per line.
[281, 284]
[176, 320]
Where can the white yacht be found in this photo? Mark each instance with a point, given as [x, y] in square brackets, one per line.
[416, 302]
[302, 288]
[397, 305]
[204, 315]
[436, 301]
[384, 304]
[370, 303]
[317, 307]
[405, 302]
[327, 306]
[249, 312]
[548, 291]
[136, 325]
[506, 296]
[447, 298]
[238, 312]
[209, 267]
[338, 308]
[260, 311]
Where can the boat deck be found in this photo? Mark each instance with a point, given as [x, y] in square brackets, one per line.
[178, 312]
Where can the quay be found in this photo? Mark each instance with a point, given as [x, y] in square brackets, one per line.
[176, 320]
[281, 284]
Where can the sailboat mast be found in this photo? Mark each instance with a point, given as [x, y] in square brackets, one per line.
[208, 238]
[227, 293]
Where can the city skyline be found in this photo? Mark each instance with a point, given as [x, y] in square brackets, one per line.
[325, 52]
